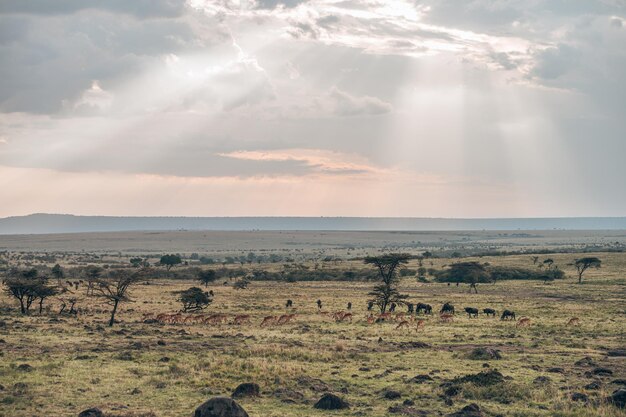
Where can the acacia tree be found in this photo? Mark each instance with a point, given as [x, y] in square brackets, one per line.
[27, 287]
[169, 261]
[583, 264]
[194, 299]
[206, 276]
[92, 274]
[387, 291]
[115, 289]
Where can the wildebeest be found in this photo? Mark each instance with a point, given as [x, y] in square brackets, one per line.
[489, 312]
[370, 305]
[319, 304]
[392, 307]
[289, 304]
[507, 315]
[409, 307]
[423, 308]
[471, 312]
[349, 306]
[447, 308]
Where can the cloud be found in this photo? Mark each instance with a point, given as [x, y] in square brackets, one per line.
[345, 104]
[137, 8]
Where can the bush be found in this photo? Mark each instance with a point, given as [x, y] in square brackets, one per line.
[194, 299]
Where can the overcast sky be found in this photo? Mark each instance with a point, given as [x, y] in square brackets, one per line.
[440, 108]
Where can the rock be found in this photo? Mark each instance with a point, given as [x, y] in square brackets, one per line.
[586, 361]
[408, 402]
[618, 398]
[391, 394]
[135, 391]
[556, 370]
[420, 379]
[471, 410]
[313, 384]
[595, 385]
[220, 407]
[542, 380]
[91, 412]
[247, 389]
[484, 354]
[579, 396]
[482, 379]
[616, 352]
[24, 367]
[619, 382]
[161, 342]
[331, 402]
[602, 372]
[364, 369]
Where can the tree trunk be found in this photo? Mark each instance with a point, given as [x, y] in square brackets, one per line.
[22, 307]
[113, 313]
[40, 305]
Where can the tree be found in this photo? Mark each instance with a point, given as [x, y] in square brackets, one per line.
[26, 286]
[169, 261]
[116, 289]
[136, 262]
[206, 276]
[387, 292]
[194, 299]
[468, 272]
[535, 259]
[57, 272]
[583, 264]
[92, 274]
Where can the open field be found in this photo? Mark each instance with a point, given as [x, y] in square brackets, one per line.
[137, 368]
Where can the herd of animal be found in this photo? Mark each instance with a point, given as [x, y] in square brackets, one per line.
[403, 320]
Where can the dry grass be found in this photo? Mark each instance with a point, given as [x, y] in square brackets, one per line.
[137, 368]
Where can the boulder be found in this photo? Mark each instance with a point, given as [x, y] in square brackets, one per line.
[484, 354]
[247, 389]
[391, 394]
[220, 407]
[618, 398]
[471, 410]
[331, 402]
[91, 412]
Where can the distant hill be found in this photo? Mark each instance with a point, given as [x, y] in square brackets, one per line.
[65, 223]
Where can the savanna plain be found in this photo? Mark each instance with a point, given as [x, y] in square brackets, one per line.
[59, 364]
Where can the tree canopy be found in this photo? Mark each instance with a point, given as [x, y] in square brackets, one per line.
[387, 291]
[583, 264]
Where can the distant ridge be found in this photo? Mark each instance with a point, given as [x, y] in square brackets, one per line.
[66, 223]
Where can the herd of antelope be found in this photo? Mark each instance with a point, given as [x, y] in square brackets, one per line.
[403, 320]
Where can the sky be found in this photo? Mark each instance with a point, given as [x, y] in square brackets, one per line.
[435, 108]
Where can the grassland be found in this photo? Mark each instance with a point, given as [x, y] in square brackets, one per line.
[137, 368]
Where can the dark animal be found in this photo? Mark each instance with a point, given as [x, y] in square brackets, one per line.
[447, 308]
[392, 307]
[410, 308]
[489, 312]
[319, 304]
[370, 305]
[471, 312]
[349, 306]
[507, 315]
[289, 304]
[423, 308]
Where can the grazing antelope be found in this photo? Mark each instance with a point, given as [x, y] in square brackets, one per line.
[523, 322]
[400, 317]
[420, 325]
[574, 321]
[446, 317]
[285, 318]
[241, 319]
[384, 316]
[371, 319]
[344, 317]
[403, 323]
[269, 320]
[147, 316]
